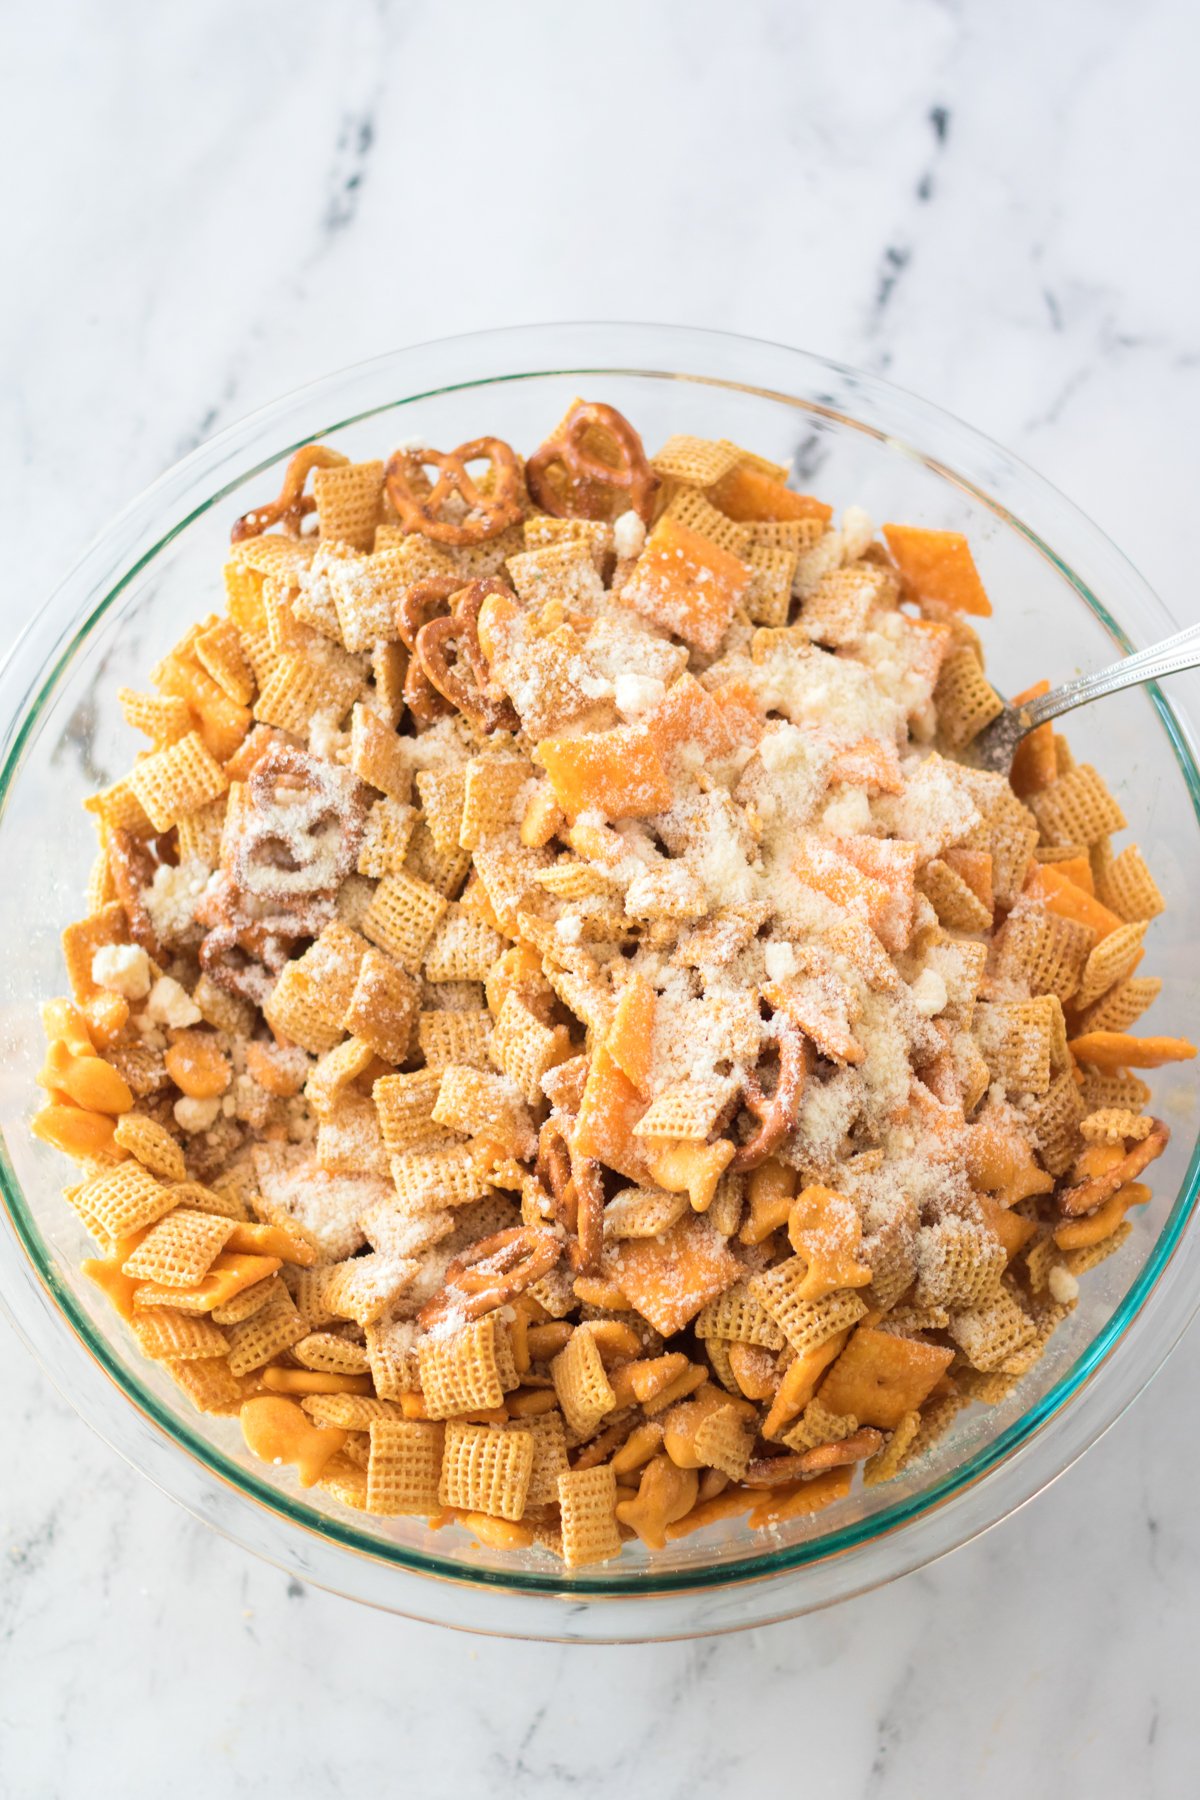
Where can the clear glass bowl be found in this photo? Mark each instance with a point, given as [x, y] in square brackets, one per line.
[1065, 599]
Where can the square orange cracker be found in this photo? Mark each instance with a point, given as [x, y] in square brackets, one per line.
[880, 1377]
[669, 1279]
[686, 584]
[938, 565]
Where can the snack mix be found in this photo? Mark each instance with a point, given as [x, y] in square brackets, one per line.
[562, 1041]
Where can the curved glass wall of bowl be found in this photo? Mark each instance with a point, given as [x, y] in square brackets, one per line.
[1066, 601]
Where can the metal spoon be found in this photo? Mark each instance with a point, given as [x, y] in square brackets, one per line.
[996, 744]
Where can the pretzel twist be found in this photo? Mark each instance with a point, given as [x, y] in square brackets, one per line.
[293, 503]
[493, 1272]
[586, 483]
[775, 1112]
[463, 677]
[487, 514]
[1093, 1192]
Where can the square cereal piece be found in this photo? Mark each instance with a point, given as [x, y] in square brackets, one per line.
[772, 568]
[806, 1324]
[463, 948]
[1122, 1005]
[174, 781]
[1113, 959]
[564, 573]
[208, 1382]
[839, 609]
[199, 832]
[1076, 809]
[486, 1469]
[218, 650]
[367, 1287]
[404, 1104]
[737, 1317]
[993, 1331]
[687, 584]
[1022, 1041]
[393, 1358]
[964, 700]
[164, 718]
[1044, 951]
[540, 530]
[402, 917]
[443, 870]
[166, 1335]
[442, 792]
[335, 1071]
[447, 1036]
[119, 808]
[524, 1048]
[549, 1456]
[687, 1110]
[1125, 885]
[426, 1181]
[696, 512]
[377, 754]
[349, 502]
[296, 1011]
[152, 1145]
[583, 1388]
[349, 1140]
[492, 791]
[404, 1468]
[321, 679]
[695, 461]
[180, 1249]
[386, 837]
[272, 1329]
[588, 1499]
[365, 590]
[383, 1007]
[125, 1199]
[470, 1371]
[667, 1280]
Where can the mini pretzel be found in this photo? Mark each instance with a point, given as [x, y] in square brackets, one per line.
[487, 514]
[553, 1170]
[464, 681]
[775, 1112]
[1097, 1188]
[587, 1250]
[585, 471]
[293, 503]
[425, 601]
[302, 831]
[772, 1471]
[132, 868]
[493, 1272]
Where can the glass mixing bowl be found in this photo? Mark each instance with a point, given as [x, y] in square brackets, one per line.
[1065, 599]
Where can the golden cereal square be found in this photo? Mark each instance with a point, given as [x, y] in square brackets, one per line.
[349, 502]
[404, 1468]
[471, 1371]
[171, 782]
[179, 1250]
[588, 1500]
[402, 917]
[584, 1391]
[486, 1469]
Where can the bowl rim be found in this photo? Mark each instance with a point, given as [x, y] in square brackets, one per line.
[122, 548]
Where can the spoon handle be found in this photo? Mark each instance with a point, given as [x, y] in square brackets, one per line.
[1168, 658]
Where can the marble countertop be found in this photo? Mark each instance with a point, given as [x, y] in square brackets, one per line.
[216, 202]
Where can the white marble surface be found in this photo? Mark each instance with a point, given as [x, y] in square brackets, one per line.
[210, 202]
